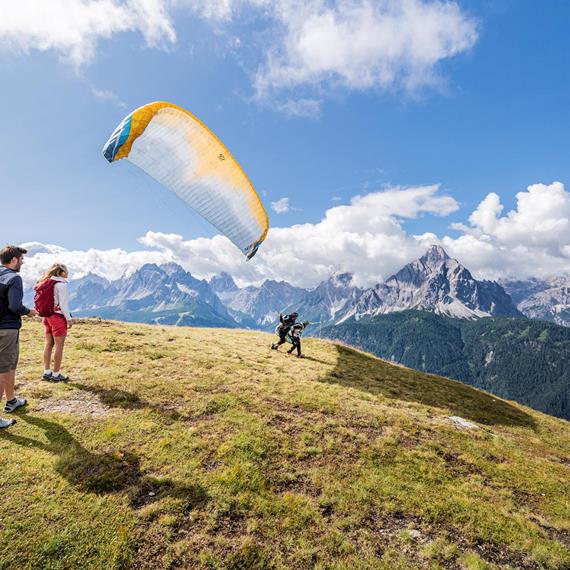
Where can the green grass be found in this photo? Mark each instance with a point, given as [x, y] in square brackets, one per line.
[202, 448]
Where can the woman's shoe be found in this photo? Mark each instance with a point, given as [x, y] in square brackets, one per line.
[59, 378]
[14, 404]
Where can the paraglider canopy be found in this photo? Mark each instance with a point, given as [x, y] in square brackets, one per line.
[179, 151]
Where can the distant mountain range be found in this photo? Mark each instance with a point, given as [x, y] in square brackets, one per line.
[256, 307]
[547, 299]
[163, 294]
[168, 294]
[435, 282]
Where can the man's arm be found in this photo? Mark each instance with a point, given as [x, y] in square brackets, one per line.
[15, 297]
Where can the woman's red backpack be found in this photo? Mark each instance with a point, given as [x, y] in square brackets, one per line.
[44, 298]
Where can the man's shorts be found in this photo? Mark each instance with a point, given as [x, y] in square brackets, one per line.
[56, 325]
[9, 349]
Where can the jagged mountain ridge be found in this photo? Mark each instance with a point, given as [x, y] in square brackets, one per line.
[256, 307]
[546, 299]
[330, 301]
[165, 294]
[435, 282]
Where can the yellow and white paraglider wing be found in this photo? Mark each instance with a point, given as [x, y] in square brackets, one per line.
[181, 153]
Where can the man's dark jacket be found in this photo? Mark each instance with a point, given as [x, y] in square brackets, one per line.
[11, 296]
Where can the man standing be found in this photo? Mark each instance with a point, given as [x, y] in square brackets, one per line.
[11, 312]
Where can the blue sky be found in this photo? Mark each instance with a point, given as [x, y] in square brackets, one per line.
[491, 116]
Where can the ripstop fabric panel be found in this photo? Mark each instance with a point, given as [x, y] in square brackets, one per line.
[181, 153]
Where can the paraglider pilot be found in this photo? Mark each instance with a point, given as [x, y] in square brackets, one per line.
[295, 335]
[283, 329]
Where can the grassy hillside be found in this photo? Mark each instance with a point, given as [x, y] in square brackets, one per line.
[202, 448]
[520, 359]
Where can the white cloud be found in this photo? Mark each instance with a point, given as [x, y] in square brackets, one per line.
[112, 263]
[35, 247]
[217, 10]
[281, 206]
[73, 27]
[361, 45]
[316, 46]
[531, 240]
[364, 237]
[307, 48]
[541, 217]
[303, 108]
[108, 95]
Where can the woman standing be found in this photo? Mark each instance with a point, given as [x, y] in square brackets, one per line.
[52, 303]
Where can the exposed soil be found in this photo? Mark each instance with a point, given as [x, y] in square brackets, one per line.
[79, 402]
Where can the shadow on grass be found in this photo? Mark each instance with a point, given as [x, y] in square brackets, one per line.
[116, 398]
[103, 473]
[363, 372]
[318, 360]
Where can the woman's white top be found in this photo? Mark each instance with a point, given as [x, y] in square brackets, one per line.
[61, 297]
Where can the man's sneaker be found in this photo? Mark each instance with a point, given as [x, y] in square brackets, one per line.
[6, 423]
[59, 378]
[274, 347]
[47, 377]
[14, 405]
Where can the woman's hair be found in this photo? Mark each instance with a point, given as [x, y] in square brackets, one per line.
[56, 270]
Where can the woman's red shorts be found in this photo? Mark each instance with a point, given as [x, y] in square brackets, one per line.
[56, 325]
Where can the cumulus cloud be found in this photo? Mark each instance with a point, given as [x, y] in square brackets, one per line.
[308, 48]
[360, 45]
[366, 237]
[281, 206]
[111, 263]
[35, 247]
[356, 44]
[72, 28]
[531, 240]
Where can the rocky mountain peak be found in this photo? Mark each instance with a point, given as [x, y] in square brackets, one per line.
[223, 283]
[435, 255]
[172, 268]
[434, 264]
[341, 279]
[438, 283]
[148, 268]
